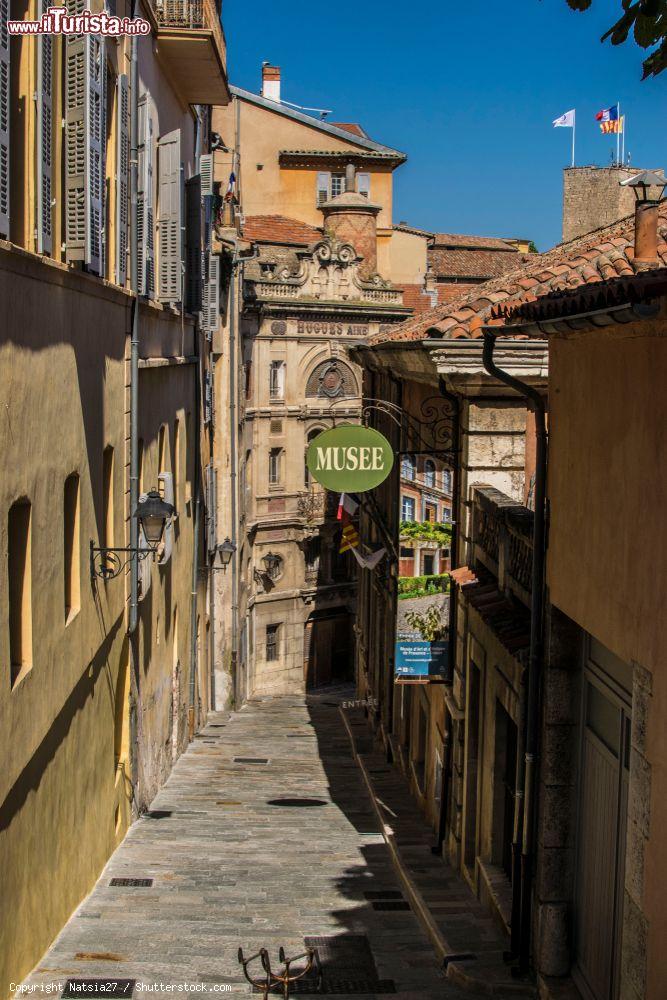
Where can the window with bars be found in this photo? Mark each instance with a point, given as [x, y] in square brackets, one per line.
[277, 380]
[272, 642]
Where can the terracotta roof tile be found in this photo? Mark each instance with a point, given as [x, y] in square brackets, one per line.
[353, 127]
[447, 262]
[462, 240]
[603, 255]
[279, 229]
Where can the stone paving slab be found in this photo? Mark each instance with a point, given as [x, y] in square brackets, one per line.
[231, 870]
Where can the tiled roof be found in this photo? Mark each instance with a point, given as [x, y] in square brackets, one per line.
[596, 257]
[353, 127]
[279, 229]
[471, 242]
[464, 263]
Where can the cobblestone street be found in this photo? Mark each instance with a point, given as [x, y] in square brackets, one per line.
[232, 866]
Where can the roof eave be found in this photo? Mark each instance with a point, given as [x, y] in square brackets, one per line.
[281, 109]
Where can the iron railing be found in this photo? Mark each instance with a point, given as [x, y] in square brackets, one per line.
[503, 539]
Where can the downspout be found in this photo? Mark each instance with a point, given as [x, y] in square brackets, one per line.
[453, 605]
[134, 342]
[536, 643]
[135, 677]
[233, 431]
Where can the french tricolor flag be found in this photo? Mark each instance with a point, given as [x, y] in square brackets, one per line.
[608, 114]
[348, 505]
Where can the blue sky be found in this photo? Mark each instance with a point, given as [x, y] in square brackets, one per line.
[468, 90]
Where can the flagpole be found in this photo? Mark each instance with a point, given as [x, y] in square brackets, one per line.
[574, 130]
[623, 142]
[618, 134]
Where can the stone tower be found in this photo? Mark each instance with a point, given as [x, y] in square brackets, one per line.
[593, 198]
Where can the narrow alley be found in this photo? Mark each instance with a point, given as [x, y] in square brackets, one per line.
[264, 835]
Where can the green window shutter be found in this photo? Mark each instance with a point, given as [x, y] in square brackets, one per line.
[44, 139]
[4, 118]
[122, 177]
[169, 218]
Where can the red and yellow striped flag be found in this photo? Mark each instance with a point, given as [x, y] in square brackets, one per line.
[612, 127]
[349, 538]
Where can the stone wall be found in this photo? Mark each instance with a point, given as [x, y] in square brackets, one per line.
[593, 198]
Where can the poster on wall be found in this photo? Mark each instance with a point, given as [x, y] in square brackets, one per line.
[425, 537]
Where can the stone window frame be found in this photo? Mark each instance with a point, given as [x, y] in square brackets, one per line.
[273, 642]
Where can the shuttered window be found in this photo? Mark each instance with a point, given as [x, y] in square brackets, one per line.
[169, 218]
[44, 139]
[323, 181]
[145, 216]
[85, 141]
[122, 176]
[206, 173]
[211, 297]
[4, 119]
[193, 235]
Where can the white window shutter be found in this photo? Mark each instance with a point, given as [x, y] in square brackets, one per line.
[212, 318]
[4, 119]
[44, 139]
[169, 218]
[206, 174]
[145, 226]
[122, 177]
[364, 184]
[85, 141]
[323, 183]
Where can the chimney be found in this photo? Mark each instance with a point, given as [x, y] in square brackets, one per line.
[648, 187]
[271, 82]
[352, 218]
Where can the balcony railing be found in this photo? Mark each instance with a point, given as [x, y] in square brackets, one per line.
[503, 540]
[192, 45]
[180, 13]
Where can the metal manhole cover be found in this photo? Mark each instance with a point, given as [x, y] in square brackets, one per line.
[142, 883]
[77, 988]
[250, 760]
[297, 803]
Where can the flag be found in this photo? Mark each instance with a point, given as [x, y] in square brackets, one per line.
[371, 561]
[566, 120]
[612, 127]
[230, 186]
[349, 539]
[608, 114]
[348, 506]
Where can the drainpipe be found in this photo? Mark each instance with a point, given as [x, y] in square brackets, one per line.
[453, 606]
[134, 342]
[536, 643]
[233, 431]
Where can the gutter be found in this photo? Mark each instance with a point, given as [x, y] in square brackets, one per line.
[525, 823]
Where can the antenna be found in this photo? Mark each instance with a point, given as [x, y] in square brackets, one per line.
[322, 112]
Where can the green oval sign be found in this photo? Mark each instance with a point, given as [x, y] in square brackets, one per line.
[350, 459]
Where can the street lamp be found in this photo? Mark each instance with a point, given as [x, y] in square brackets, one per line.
[153, 513]
[272, 564]
[225, 551]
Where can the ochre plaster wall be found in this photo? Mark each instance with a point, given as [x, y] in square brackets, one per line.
[608, 537]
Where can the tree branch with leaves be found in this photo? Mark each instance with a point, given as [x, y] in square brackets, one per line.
[647, 20]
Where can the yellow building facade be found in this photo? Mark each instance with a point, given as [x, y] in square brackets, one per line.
[92, 716]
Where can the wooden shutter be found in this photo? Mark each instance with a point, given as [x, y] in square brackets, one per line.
[4, 119]
[169, 218]
[145, 226]
[193, 234]
[323, 182]
[212, 297]
[85, 141]
[211, 507]
[44, 139]
[122, 177]
[206, 173]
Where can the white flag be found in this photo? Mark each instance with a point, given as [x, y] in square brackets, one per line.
[565, 121]
[371, 561]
